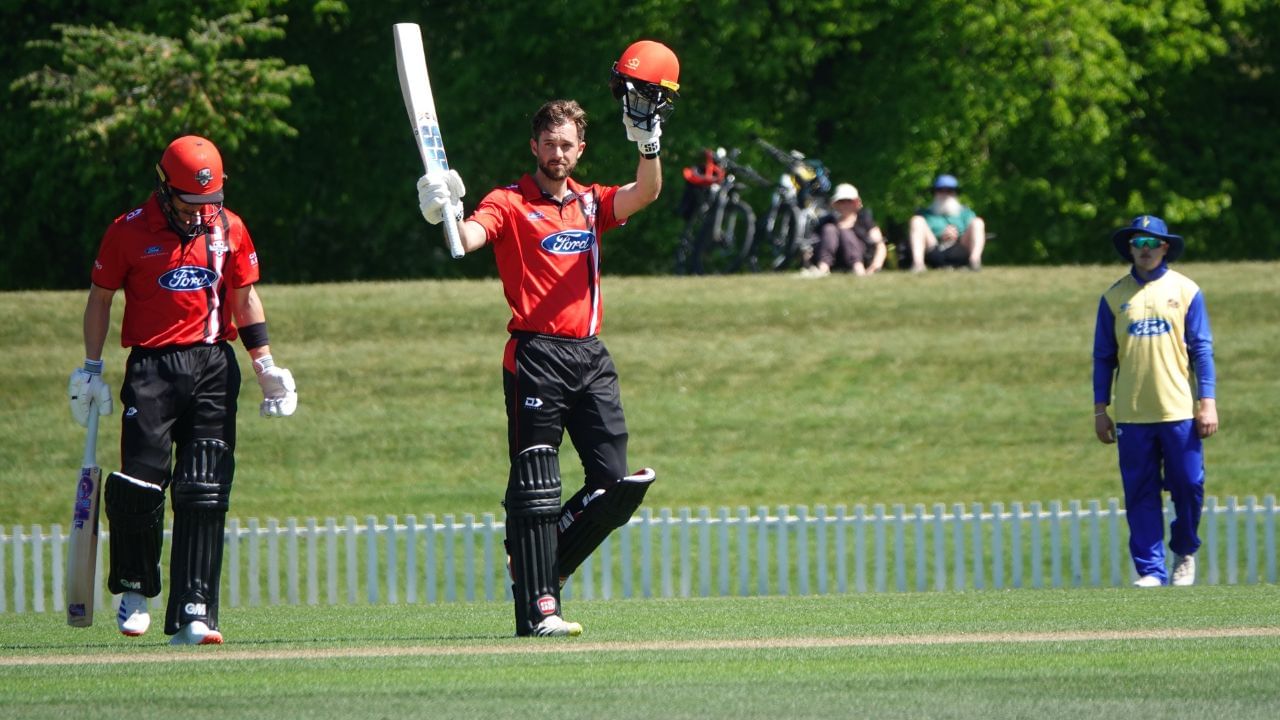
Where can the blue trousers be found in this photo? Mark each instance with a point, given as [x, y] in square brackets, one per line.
[1156, 457]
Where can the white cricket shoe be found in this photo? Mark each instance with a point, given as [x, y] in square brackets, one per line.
[1184, 570]
[556, 626]
[196, 633]
[1147, 581]
[132, 617]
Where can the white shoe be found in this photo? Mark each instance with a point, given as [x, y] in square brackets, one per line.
[196, 633]
[555, 626]
[1184, 570]
[814, 272]
[1147, 581]
[132, 618]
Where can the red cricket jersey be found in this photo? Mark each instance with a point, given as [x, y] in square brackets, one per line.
[175, 294]
[548, 254]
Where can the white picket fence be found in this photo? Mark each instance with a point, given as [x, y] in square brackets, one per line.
[783, 551]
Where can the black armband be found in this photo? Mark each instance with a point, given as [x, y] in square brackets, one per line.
[254, 336]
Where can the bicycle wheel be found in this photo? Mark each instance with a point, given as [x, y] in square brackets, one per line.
[723, 245]
[781, 231]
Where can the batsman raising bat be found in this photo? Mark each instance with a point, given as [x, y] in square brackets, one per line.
[557, 375]
[188, 267]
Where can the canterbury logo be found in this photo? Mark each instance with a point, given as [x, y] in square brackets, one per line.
[204, 176]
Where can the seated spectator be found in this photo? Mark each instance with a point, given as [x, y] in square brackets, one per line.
[947, 233]
[848, 238]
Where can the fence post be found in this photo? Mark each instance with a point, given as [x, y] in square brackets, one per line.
[722, 572]
[313, 563]
[784, 566]
[372, 591]
[997, 545]
[429, 558]
[58, 579]
[1077, 566]
[957, 537]
[1015, 541]
[331, 560]
[979, 576]
[255, 574]
[939, 548]
[490, 529]
[1269, 528]
[860, 547]
[353, 566]
[842, 558]
[411, 559]
[922, 570]
[605, 553]
[881, 550]
[273, 561]
[664, 562]
[625, 564]
[450, 578]
[704, 552]
[1095, 542]
[762, 551]
[1233, 545]
[19, 570]
[744, 553]
[1251, 540]
[802, 549]
[1209, 518]
[1055, 543]
[899, 548]
[1037, 554]
[821, 525]
[291, 547]
[686, 570]
[469, 556]
[37, 568]
[1113, 538]
[392, 534]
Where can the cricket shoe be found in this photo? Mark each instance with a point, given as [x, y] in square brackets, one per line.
[132, 617]
[196, 633]
[1184, 570]
[1148, 581]
[556, 626]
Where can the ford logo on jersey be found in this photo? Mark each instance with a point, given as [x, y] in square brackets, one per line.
[187, 278]
[569, 242]
[1149, 327]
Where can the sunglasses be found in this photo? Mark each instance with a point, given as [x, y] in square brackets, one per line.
[1146, 242]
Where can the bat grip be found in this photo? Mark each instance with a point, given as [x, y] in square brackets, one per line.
[451, 233]
[91, 438]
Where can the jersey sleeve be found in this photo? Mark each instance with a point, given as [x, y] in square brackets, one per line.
[606, 217]
[244, 257]
[1105, 353]
[491, 216]
[109, 267]
[1199, 339]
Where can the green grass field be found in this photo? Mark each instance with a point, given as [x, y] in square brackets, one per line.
[739, 390]
[1170, 653]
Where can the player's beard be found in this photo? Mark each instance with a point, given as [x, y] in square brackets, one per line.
[560, 170]
[948, 205]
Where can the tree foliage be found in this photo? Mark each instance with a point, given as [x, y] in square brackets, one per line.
[1062, 118]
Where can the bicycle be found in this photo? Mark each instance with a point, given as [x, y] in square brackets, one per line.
[798, 201]
[719, 228]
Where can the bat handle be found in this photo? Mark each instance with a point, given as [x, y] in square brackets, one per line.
[91, 439]
[451, 233]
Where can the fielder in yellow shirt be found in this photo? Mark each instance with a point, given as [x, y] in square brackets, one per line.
[1153, 365]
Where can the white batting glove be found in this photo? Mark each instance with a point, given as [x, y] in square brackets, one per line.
[86, 388]
[279, 393]
[438, 190]
[646, 140]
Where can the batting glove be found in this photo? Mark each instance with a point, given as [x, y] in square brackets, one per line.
[279, 393]
[438, 190]
[646, 140]
[87, 391]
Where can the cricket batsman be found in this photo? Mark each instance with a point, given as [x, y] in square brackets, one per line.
[557, 375]
[187, 267]
[1153, 363]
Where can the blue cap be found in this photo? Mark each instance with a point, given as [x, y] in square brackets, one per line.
[1147, 225]
[946, 182]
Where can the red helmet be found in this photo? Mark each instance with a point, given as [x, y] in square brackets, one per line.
[192, 167]
[646, 79]
[651, 62]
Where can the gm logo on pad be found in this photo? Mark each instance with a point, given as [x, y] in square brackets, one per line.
[1149, 327]
[188, 278]
[569, 242]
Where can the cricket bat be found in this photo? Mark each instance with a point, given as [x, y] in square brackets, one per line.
[82, 545]
[415, 85]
